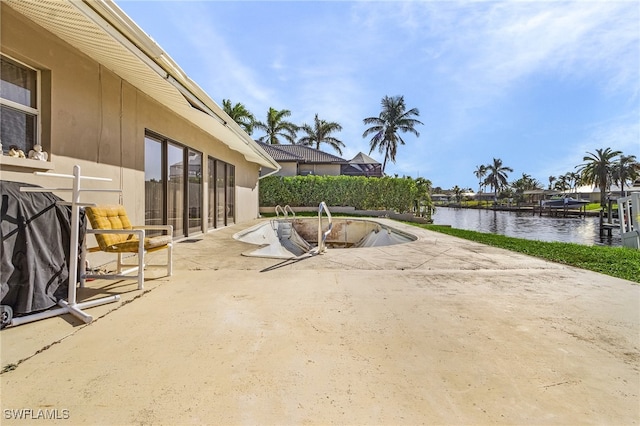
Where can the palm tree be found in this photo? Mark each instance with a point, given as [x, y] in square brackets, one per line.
[240, 114]
[597, 170]
[497, 176]
[481, 171]
[525, 183]
[551, 180]
[277, 127]
[393, 118]
[457, 192]
[562, 184]
[625, 169]
[574, 180]
[321, 133]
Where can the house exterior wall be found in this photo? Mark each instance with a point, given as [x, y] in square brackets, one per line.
[93, 118]
[320, 169]
[288, 169]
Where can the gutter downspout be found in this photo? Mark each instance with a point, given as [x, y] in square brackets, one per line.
[270, 173]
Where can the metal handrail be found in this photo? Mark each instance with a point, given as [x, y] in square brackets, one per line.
[288, 207]
[322, 236]
[284, 210]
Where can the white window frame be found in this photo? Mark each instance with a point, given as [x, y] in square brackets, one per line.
[26, 109]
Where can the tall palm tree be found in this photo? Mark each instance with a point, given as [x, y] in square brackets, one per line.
[497, 176]
[481, 172]
[321, 133]
[551, 180]
[393, 118]
[597, 170]
[277, 127]
[625, 169]
[240, 114]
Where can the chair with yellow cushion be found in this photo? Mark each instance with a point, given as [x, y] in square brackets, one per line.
[115, 234]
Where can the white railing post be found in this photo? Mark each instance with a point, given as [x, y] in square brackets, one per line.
[629, 214]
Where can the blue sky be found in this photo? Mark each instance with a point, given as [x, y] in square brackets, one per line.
[537, 84]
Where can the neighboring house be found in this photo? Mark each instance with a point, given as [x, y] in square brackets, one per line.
[591, 193]
[440, 198]
[485, 196]
[362, 165]
[300, 160]
[85, 82]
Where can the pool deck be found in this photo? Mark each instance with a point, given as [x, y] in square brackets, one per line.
[436, 331]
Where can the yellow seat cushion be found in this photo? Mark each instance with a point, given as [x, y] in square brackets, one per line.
[115, 217]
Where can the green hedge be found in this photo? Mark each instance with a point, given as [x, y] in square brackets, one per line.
[398, 194]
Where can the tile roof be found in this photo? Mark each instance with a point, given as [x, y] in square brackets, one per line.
[301, 154]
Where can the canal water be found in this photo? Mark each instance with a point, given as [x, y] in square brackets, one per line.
[580, 230]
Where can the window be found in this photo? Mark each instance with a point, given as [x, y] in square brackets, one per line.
[19, 113]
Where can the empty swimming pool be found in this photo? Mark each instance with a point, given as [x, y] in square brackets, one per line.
[286, 238]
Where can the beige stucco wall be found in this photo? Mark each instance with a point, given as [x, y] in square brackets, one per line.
[288, 169]
[93, 118]
[321, 169]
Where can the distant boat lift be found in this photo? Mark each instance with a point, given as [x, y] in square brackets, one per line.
[567, 205]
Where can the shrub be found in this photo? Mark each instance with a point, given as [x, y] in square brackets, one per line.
[398, 194]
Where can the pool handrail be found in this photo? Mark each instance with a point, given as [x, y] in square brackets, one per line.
[284, 211]
[288, 207]
[322, 236]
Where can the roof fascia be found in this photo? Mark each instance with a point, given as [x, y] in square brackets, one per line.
[113, 20]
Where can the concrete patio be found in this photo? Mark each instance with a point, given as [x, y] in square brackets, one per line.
[437, 331]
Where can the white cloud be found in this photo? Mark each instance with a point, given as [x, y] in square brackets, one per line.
[463, 64]
[618, 133]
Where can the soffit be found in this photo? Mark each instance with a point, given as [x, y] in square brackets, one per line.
[121, 46]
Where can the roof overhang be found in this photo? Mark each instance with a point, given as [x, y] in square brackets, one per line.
[102, 31]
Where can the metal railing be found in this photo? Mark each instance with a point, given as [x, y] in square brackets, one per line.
[322, 236]
[279, 208]
[629, 214]
[288, 207]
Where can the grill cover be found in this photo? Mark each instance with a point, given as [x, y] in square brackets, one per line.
[35, 232]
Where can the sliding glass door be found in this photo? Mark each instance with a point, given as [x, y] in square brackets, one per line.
[175, 188]
[195, 191]
[153, 182]
[221, 193]
[173, 185]
[231, 194]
